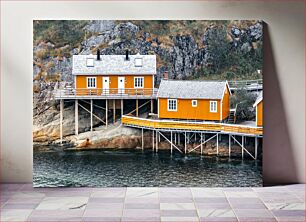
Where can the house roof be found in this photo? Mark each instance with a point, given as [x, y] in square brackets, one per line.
[114, 64]
[259, 99]
[191, 89]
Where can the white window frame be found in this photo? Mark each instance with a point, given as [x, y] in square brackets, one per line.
[136, 86]
[212, 105]
[138, 62]
[194, 103]
[170, 108]
[90, 62]
[87, 82]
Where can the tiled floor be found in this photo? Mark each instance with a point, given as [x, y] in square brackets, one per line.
[21, 202]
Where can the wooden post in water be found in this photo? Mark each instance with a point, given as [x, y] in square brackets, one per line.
[76, 117]
[242, 148]
[171, 143]
[91, 110]
[217, 144]
[152, 106]
[121, 108]
[137, 107]
[114, 110]
[185, 143]
[106, 113]
[61, 120]
[156, 135]
[256, 147]
[152, 140]
[201, 143]
[142, 138]
[179, 138]
[229, 145]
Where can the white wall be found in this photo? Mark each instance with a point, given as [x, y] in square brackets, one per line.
[284, 144]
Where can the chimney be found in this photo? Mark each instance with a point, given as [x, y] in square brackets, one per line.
[166, 75]
[127, 55]
[98, 54]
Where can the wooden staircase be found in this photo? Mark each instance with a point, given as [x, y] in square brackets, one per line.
[232, 116]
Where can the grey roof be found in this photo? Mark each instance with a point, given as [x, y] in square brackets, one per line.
[114, 64]
[191, 89]
[259, 98]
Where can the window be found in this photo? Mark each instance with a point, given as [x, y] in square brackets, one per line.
[213, 106]
[138, 62]
[172, 105]
[91, 82]
[138, 82]
[194, 103]
[90, 62]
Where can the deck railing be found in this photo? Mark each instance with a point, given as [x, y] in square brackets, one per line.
[248, 84]
[189, 125]
[99, 92]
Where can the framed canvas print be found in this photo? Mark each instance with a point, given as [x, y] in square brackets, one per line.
[137, 103]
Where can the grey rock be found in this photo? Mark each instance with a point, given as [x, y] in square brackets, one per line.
[100, 26]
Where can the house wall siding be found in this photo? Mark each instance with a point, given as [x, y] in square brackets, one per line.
[113, 82]
[226, 104]
[259, 114]
[186, 111]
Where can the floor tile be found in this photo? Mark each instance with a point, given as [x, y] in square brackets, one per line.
[210, 200]
[207, 192]
[56, 214]
[20, 206]
[179, 219]
[62, 203]
[139, 192]
[103, 213]
[141, 206]
[105, 200]
[253, 213]
[240, 194]
[178, 213]
[213, 205]
[218, 219]
[216, 213]
[15, 214]
[115, 206]
[176, 200]
[140, 219]
[177, 206]
[113, 192]
[142, 213]
[101, 219]
[142, 200]
[285, 206]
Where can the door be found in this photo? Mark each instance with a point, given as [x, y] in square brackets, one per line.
[121, 85]
[105, 85]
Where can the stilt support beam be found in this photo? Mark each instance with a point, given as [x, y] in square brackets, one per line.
[76, 117]
[91, 110]
[137, 107]
[61, 120]
[106, 113]
[142, 144]
[114, 110]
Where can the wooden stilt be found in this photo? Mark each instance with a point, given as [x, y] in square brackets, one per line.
[201, 143]
[195, 137]
[76, 117]
[156, 135]
[114, 110]
[179, 138]
[106, 113]
[242, 149]
[91, 110]
[217, 144]
[256, 147]
[171, 143]
[185, 142]
[229, 145]
[142, 144]
[137, 107]
[152, 106]
[121, 108]
[61, 120]
[174, 138]
[153, 140]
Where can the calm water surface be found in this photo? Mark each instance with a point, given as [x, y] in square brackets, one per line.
[119, 168]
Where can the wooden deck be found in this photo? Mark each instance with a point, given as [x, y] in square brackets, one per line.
[178, 125]
[98, 93]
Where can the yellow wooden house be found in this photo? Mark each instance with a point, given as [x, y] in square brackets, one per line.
[114, 74]
[193, 100]
[259, 110]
